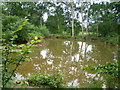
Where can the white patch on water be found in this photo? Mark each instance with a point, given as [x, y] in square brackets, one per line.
[67, 42]
[44, 53]
[49, 61]
[103, 86]
[74, 83]
[19, 77]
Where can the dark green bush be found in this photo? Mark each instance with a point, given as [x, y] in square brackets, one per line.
[110, 70]
[7, 35]
[29, 31]
[8, 21]
[20, 55]
[23, 35]
[112, 40]
[44, 31]
[46, 80]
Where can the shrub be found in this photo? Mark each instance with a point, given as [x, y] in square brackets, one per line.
[21, 55]
[8, 21]
[27, 32]
[35, 33]
[44, 31]
[23, 35]
[110, 70]
[7, 35]
[112, 40]
[46, 80]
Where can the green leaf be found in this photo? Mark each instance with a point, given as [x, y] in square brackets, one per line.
[15, 36]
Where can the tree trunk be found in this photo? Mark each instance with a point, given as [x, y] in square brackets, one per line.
[87, 28]
[87, 22]
[58, 26]
[97, 30]
[72, 21]
[82, 26]
[40, 21]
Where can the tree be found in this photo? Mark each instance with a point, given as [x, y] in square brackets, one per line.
[72, 11]
[21, 55]
[104, 17]
[56, 19]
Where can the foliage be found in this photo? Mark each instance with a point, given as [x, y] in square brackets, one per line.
[39, 32]
[108, 39]
[107, 27]
[7, 35]
[23, 33]
[112, 40]
[60, 35]
[27, 32]
[105, 24]
[46, 80]
[8, 22]
[96, 85]
[21, 55]
[101, 17]
[110, 69]
[56, 23]
[102, 24]
[35, 33]
[22, 9]
[44, 31]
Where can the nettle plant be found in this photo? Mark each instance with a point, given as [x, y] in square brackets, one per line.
[20, 53]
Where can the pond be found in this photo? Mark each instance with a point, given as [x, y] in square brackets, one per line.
[71, 56]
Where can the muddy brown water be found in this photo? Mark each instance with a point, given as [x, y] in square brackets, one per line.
[71, 56]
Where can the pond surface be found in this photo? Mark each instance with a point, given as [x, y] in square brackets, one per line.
[71, 56]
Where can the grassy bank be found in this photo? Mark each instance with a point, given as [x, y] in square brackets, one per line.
[111, 40]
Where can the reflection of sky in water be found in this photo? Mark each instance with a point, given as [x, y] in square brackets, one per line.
[67, 42]
[76, 57]
[49, 61]
[19, 77]
[71, 57]
[74, 83]
[89, 75]
[103, 86]
[84, 46]
[37, 67]
[44, 53]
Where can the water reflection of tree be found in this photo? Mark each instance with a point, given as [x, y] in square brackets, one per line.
[67, 50]
[102, 53]
[70, 56]
[99, 55]
[56, 47]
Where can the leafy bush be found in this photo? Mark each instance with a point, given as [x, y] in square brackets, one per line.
[35, 33]
[21, 55]
[23, 35]
[60, 35]
[27, 32]
[44, 31]
[112, 40]
[109, 69]
[8, 21]
[7, 35]
[51, 81]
